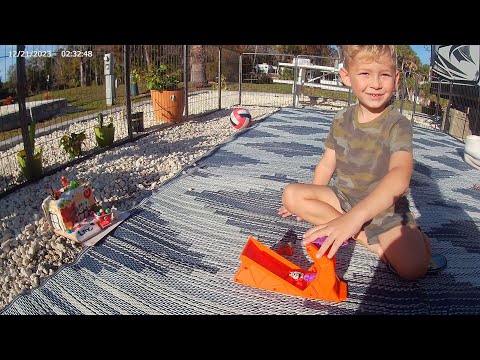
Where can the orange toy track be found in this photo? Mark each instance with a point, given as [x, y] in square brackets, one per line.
[263, 268]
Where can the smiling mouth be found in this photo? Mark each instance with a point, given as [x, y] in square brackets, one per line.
[375, 95]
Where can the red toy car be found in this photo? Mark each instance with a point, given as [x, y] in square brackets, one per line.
[103, 217]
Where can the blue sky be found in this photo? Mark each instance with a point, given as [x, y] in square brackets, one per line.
[422, 53]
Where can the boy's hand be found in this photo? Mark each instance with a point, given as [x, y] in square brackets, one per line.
[283, 212]
[338, 231]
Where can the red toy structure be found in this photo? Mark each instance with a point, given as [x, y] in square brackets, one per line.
[263, 268]
[72, 211]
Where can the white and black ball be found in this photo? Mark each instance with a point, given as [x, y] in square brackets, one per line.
[240, 118]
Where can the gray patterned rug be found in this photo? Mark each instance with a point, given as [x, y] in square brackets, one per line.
[179, 250]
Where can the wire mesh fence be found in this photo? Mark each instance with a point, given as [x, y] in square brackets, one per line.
[70, 88]
[65, 93]
[155, 68]
[203, 66]
[263, 82]
[228, 84]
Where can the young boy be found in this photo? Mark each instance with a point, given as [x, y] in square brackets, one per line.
[370, 148]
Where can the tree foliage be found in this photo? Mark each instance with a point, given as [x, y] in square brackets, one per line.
[417, 82]
[315, 50]
[407, 59]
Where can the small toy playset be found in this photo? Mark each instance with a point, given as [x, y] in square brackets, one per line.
[72, 211]
[266, 269]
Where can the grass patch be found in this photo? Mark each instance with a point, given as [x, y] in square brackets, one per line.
[287, 89]
[82, 100]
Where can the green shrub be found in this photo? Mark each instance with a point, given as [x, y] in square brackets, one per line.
[264, 79]
[287, 74]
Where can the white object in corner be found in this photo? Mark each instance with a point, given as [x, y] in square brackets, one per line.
[472, 151]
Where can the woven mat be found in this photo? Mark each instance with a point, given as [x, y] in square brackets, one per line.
[179, 250]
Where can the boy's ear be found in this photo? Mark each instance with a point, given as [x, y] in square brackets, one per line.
[397, 79]
[345, 78]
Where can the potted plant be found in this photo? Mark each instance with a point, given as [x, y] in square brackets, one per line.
[72, 143]
[134, 79]
[104, 134]
[37, 156]
[168, 99]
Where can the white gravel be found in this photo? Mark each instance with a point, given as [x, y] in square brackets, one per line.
[123, 176]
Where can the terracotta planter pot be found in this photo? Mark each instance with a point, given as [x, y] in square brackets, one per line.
[168, 105]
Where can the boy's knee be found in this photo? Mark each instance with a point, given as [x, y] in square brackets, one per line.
[289, 196]
[412, 271]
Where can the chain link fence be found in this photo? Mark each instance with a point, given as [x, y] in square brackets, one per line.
[67, 87]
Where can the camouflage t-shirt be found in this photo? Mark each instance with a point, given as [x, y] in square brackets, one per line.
[363, 149]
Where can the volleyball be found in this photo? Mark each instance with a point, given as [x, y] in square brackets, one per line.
[240, 118]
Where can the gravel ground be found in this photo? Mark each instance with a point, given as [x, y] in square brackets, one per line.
[30, 251]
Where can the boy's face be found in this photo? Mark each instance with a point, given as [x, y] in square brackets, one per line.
[373, 81]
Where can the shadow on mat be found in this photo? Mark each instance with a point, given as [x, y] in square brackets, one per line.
[454, 228]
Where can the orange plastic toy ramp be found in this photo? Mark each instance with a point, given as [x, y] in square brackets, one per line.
[263, 268]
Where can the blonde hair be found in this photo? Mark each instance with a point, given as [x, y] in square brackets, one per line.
[371, 51]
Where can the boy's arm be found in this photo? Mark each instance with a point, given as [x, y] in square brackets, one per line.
[325, 168]
[389, 189]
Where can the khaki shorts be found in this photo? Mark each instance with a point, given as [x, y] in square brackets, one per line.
[398, 214]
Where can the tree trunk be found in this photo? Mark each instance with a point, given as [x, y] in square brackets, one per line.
[409, 95]
[146, 51]
[88, 70]
[82, 73]
[95, 70]
[198, 72]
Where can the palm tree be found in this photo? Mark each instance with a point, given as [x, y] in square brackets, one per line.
[409, 63]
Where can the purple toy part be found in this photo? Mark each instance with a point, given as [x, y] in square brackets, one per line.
[319, 241]
[309, 277]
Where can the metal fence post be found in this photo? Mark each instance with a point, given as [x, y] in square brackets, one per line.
[437, 105]
[219, 77]
[447, 112]
[128, 98]
[185, 78]
[349, 96]
[402, 93]
[22, 109]
[240, 80]
[465, 123]
[415, 99]
[295, 72]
